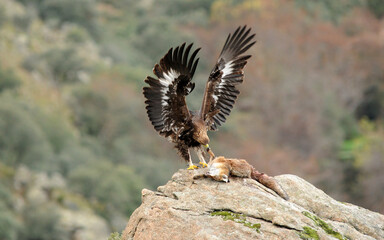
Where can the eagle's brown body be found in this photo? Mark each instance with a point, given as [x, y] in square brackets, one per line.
[193, 135]
[166, 105]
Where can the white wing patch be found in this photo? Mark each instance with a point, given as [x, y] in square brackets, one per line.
[227, 69]
[169, 77]
[164, 100]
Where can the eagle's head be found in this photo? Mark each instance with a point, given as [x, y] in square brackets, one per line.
[200, 132]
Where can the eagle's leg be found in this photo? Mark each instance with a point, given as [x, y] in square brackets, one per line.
[185, 154]
[200, 153]
[191, 165]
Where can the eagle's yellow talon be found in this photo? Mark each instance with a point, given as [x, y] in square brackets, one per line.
[191, 167]
[203, 164]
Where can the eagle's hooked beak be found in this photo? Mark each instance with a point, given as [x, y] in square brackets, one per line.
[210, 152]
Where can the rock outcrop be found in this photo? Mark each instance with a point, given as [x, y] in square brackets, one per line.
[244, 209]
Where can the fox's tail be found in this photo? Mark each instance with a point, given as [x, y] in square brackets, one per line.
[269, 182]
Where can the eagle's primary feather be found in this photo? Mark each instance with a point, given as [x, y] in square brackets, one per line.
[165, 95]
[166, 106]
[220, 91]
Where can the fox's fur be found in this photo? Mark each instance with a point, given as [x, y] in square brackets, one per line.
[221, 168]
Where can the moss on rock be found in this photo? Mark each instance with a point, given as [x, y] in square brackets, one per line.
[237, 217]
[326, 227]
[308, 234]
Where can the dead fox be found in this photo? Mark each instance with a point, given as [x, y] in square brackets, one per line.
[221, 168]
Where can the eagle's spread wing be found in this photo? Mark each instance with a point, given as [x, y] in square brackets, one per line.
[166, 105]
[220, 91]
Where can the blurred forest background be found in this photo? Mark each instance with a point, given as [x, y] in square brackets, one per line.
[76, 147]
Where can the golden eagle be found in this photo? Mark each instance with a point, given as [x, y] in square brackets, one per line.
[165, 95]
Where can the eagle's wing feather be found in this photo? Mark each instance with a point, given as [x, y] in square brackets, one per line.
[220, 91]
[165, 96]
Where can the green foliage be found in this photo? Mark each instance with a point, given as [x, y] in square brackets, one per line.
[174, 7]
[81, 12]
[69, 10]
[351, 155]
[371, 105]
[24, 21]
[115, 187]
[89, 110]
[21, 139]
[5, 195]
[77, 34]
[31, 62]
[8, 224]
[362, 164]
[6, 173]
[351, 147]
[329, 9]
[3, 17]
[155, 169]
[376, 7]
[8, 79]
[158, 33]
[192, 12]
[349, 126]
[115, 236]
[41, 222]
[64, 64]
[40, 141]
[34, 3]
[133, 75]
[72, 156]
